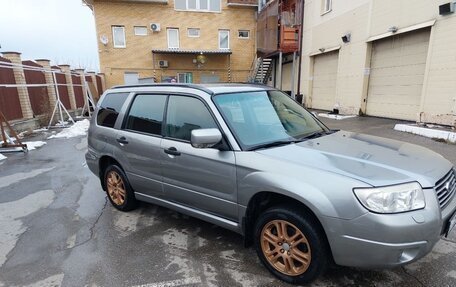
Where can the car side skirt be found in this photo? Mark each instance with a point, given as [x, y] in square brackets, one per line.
[220, 221]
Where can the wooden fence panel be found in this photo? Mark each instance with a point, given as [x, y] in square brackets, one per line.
[78, 91]
[99, 86]
[39, 98]
[63, 90]
[10, 105]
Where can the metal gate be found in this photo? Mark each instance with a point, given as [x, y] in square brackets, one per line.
[324, 81]
[10, 105]
[39, 98]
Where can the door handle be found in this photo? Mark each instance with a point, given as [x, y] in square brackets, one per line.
[122, 140]
[172, 151]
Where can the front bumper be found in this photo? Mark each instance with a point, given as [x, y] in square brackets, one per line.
[388, 240]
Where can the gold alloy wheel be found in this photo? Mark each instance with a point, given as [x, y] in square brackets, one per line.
[116, 188]
[285, 247]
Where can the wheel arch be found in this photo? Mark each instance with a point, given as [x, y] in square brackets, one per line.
[265, 200]
[103, 163]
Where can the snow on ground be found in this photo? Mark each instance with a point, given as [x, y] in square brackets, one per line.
[78, 129]
[34, 145]
[2, 157]
[427, 132]
[336, 117]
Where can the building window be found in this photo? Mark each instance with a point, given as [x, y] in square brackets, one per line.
[184, 78]
[224, 39]
[193, 32]
[173, 38]
[243, 34]
[118, 36]
[140, 30]
[326, 6]
[198, 5]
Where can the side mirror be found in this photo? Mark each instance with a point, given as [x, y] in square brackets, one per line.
[205, 138]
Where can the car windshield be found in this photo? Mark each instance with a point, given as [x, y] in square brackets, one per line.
[267, 118]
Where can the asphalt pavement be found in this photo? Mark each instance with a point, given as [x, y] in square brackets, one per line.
[58, 229]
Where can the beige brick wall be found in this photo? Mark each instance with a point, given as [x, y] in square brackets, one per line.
[19, 76]
[137, 56]
[367, 18]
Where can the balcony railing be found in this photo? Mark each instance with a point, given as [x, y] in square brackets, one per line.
[279, 27]
[243, 2]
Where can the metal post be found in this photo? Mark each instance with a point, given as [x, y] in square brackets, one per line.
[279, 72]
[58, 100]
[60, 105]
[293, 76]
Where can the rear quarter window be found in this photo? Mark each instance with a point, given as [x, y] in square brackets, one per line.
[110, 108]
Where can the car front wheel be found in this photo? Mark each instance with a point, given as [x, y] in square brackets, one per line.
[290, 245]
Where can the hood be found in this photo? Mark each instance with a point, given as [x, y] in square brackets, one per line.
[374, 160]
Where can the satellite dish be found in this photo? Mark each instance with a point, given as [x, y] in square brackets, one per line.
[104, 39]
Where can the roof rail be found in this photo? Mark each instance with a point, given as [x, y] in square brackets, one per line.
[193, 86]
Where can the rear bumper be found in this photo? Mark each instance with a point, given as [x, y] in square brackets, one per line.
[387, 240]
[92, 160]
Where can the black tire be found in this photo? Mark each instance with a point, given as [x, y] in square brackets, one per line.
[129, 201]
[315, 245]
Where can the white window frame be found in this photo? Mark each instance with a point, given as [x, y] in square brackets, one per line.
[326, 6]
[114, 38]
[219, 42]
[178, 40]
[185, 75]
[143, 27]
[192, 36]
[248, 34]
[198, 8]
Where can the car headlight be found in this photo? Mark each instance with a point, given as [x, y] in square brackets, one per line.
[392, 199]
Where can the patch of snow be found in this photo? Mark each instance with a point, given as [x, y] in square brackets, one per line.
[426, 132]
[78, 129]
[34, 145]
[40, 130]
[2, 157]
[336, 117]
[60, 123]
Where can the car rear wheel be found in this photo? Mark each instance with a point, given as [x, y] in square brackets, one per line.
[290, 245]
[118, 189]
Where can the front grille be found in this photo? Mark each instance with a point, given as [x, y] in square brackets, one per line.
[446, 188]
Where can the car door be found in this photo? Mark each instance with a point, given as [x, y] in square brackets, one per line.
[204, 179]
[139, 143]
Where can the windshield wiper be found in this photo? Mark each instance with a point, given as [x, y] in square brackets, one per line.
[273, 144]
[316, 135]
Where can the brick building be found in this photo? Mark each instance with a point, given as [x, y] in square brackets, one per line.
[197, 41]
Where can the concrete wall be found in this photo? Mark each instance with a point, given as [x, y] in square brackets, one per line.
[137, 56]
[368, 18]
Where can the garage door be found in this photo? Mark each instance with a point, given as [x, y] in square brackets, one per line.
[324, 81]
[397, 74]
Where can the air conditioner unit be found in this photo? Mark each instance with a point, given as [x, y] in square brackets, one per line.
[163, 64]
[155, 27]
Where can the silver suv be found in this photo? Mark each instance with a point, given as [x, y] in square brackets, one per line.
[252, 160]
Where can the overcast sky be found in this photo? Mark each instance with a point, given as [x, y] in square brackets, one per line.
[62, 31]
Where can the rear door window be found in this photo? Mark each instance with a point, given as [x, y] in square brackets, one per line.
[146, 114]
[186, 114]
[110, 108]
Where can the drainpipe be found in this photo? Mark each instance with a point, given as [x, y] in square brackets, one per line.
[300, 49]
